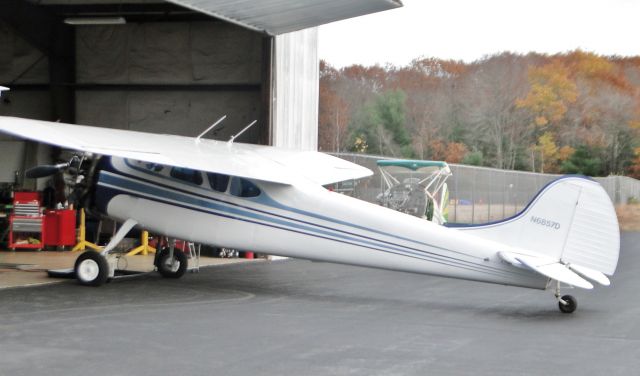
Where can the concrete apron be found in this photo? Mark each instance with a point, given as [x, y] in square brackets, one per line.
[29, 268]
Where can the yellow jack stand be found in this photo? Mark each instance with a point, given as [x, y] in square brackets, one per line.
[143, 248]
[82, 242]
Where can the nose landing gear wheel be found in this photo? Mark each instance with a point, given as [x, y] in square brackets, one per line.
[172, 268]
[91, 269]
[570, 304]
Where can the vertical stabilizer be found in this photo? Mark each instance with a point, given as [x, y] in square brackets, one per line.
[572, 220]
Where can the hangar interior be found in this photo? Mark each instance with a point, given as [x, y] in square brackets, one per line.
[174, 75]
[166, 67]
[158, 66]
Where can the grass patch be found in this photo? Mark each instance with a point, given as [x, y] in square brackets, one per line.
[629, 217]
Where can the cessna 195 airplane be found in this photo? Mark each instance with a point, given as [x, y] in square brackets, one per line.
[272, 200]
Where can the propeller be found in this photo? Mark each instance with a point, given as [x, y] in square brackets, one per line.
[45, 170]
[76, 187]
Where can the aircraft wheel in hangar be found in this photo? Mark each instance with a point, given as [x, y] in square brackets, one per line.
[570, 306]
[91, 269]
[169, 269]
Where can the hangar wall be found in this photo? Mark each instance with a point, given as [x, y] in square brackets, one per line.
[23, 64]
[176, 77]
[11, 159]
[297, 75]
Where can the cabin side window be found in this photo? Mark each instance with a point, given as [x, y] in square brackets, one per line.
[187, 174]
[218, 182]
[243, 188]
[154, 167]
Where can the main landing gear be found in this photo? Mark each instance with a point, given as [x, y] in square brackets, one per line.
[96, 268]
[171, 264]
[566, 303]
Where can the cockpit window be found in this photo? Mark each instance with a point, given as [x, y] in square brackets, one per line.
[218, 182]
[243, 188]
[187, 174]
[155, 167]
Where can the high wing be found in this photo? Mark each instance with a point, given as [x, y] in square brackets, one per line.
[265, 163]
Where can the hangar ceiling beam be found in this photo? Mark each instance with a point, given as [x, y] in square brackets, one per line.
[62, 72]
[142, 12]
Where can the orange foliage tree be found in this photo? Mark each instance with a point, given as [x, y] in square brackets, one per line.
[451, 152]
[634, 169]
[515, 111]
[552, 90]
[334, 119]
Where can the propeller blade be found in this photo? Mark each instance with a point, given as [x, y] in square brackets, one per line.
[44, 170]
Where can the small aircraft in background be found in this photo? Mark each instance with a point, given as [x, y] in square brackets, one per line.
[272, 200]
[415, 187]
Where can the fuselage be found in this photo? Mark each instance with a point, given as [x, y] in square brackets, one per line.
[302, 220]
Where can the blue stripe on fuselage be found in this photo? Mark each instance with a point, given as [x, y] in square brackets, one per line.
[152, 191]
[265, 200]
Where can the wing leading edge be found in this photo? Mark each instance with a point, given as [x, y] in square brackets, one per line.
[264, 163]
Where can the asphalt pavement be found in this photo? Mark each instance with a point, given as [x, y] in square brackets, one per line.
[298, 317]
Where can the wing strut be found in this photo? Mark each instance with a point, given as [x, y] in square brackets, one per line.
[122, 232]
[241, 132]
[209, 129]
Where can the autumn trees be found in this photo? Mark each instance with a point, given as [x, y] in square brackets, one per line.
[570, 113]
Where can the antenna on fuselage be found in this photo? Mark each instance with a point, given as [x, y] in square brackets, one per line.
[241, 132]
[210, 128]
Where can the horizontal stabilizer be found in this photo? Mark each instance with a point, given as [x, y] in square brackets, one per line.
[548, 267]
[591, 274]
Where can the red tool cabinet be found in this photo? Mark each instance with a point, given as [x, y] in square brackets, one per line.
[26, 223]
[60, 228]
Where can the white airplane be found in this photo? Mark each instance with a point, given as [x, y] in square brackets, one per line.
[272, 200]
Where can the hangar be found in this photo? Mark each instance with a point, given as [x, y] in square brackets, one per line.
[165, 67]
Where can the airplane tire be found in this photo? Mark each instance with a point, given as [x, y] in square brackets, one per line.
[91, 269]
[172, 271]
[572, 304]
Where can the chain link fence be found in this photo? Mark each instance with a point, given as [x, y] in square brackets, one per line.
[481, 194]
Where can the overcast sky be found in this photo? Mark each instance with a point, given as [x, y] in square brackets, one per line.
[470, 29]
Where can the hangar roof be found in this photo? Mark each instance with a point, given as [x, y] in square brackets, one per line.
[282, 16]
[269, 16]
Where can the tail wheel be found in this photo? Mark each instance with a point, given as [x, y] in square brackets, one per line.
[91, 269]
[570, 304]
[172, 267]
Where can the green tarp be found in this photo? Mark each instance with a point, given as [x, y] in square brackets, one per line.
[411, 164]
